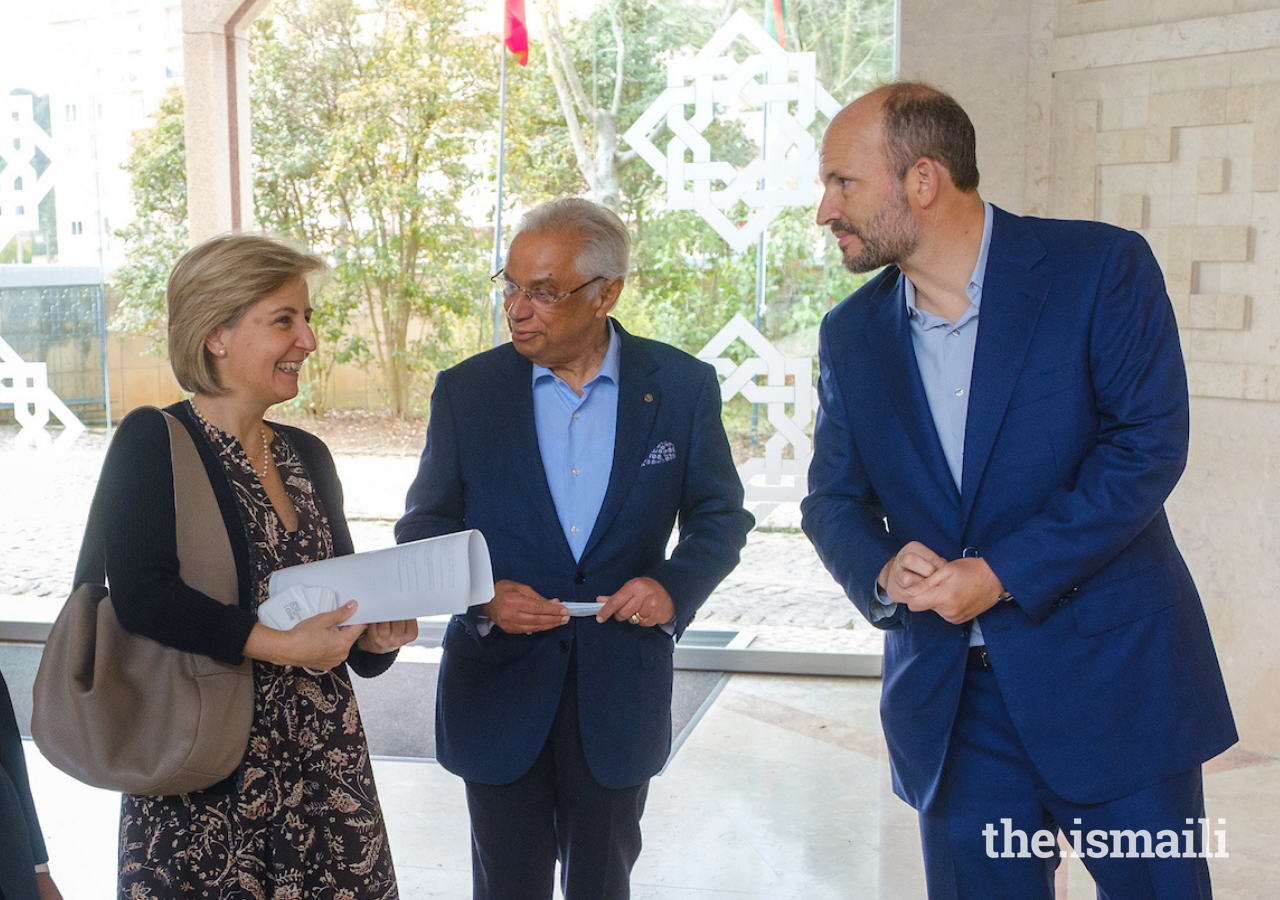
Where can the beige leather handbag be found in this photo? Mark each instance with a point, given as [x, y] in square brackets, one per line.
[124, 712]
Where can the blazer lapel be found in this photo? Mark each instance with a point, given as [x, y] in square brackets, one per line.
[520, 431]
[1013, 295]
[639, 397]
[888, 336]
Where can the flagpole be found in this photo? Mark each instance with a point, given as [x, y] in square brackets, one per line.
[497, 215]
[771, 24]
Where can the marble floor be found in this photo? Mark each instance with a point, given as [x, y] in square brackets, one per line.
[782, 791]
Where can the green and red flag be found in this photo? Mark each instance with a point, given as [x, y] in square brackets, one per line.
[775, 20]
[515, 32]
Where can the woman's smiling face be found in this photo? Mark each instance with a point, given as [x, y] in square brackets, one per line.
[265, 349]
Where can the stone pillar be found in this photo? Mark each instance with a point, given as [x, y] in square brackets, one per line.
[215, 53]
[977, 51]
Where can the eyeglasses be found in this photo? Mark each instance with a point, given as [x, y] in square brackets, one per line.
[539, 297]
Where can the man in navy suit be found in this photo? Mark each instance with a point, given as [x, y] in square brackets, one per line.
[574, 449]
[1003, 411]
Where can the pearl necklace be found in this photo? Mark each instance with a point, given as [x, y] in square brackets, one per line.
[266, 444]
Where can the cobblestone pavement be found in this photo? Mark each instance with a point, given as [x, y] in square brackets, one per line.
[780, 593]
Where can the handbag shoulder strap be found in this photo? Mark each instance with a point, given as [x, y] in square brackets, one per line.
[205, 560]
[204, 551]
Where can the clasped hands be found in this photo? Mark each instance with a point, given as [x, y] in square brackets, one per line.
[518, 609]
[958, 590]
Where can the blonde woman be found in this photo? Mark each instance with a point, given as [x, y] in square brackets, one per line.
[300, 817]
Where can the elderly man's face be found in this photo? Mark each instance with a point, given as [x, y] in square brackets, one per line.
[570, 330]
[863, 202]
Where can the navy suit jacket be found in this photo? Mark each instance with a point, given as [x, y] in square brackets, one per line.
[497, 694]
[1077, 432]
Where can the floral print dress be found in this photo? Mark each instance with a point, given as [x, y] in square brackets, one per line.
[300, 817]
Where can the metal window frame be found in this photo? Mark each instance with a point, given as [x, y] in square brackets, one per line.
[707, 650]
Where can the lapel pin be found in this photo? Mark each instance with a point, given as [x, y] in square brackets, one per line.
[648, 398]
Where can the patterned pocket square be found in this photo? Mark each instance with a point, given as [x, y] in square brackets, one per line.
[664, 452]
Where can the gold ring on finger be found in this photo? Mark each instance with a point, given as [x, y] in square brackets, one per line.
[635, 619]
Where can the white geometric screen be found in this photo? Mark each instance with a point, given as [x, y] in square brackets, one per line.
[771, 86]
[22, 185]
[26, 386]
[772, 479]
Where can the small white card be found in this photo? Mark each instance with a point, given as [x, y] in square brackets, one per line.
[583, 609]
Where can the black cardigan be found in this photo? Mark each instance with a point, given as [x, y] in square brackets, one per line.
[135, 495]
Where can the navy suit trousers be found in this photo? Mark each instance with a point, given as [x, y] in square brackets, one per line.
[556, 810]
[989, 785]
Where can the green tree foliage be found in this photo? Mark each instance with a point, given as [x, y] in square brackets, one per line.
[372, 134]
[852, 39]
[366, 118]
[367, 127]
[604, 72]
[158, 235]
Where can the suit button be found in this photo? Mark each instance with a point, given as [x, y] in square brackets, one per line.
[579, 578]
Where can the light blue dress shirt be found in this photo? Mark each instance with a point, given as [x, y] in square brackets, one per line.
[575, 437]
[944, 356]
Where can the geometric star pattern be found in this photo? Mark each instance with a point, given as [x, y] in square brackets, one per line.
[22, 142]
[770, 86]
[26, 386]
[783, 382]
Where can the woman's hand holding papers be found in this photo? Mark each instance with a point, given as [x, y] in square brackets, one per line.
[519, 609]
[319, 643]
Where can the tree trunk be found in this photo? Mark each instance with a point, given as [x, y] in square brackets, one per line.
[608, 191]
[593, 130]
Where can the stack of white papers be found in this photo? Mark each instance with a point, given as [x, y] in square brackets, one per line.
[430, 577]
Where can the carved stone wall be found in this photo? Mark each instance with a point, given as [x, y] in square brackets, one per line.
[1187, 152]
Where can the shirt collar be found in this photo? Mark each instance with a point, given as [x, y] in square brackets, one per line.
[610, 366]
[974, 287]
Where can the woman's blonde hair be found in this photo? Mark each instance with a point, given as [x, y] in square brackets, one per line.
[212, 286]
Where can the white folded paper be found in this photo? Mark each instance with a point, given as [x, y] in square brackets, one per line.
[430, 577]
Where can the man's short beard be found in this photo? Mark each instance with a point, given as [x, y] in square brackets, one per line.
[888, 238]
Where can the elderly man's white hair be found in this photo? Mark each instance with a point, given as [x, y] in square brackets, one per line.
[606, 243]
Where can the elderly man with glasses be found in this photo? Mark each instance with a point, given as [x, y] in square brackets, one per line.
[574, 449]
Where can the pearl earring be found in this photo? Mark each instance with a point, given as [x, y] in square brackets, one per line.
[222, 352]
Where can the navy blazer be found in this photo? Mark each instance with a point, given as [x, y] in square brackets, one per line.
[497, 694]
[1077, 432]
